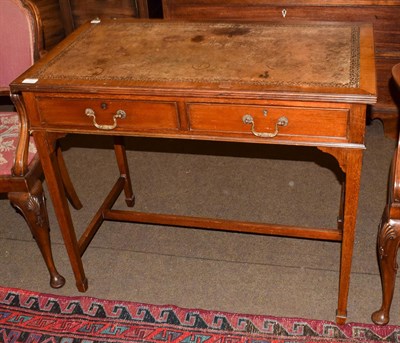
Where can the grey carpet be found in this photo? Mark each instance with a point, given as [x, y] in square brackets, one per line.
[222, 271]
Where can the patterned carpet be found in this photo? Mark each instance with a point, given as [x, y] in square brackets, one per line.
[33, 317]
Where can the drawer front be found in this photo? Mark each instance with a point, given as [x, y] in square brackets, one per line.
[105, 114]
[384, 16]
[387, 43]
[302, 123]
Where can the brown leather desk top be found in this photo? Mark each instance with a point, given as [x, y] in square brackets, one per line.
[302, 57]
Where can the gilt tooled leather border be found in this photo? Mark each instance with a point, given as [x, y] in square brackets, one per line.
[86, 58]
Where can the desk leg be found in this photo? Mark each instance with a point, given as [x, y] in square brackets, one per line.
[45, 144]
[352, 165]
[122, 161]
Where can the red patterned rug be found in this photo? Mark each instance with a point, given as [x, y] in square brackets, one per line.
[34, 317]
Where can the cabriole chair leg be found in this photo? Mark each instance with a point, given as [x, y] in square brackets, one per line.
[32, 206]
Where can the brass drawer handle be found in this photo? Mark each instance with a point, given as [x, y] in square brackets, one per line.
[120, 114]
[282, 121]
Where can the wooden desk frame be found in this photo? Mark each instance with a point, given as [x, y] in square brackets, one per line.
[342, 110]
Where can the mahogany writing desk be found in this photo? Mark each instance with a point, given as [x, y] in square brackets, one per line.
[302, 84]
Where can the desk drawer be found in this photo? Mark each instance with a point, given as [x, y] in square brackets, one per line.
[99, 114]
[300, 121]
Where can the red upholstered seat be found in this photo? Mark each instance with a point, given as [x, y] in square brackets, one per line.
[9, 136]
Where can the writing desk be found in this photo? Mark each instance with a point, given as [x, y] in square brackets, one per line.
[302, 84]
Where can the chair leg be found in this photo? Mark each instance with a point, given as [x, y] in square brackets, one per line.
[68, 186]
[32, 205]
[388, 244]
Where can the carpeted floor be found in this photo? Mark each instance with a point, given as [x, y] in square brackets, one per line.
[215, 270]
[28, 316]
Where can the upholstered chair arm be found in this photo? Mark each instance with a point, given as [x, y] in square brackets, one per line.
[20, 167]
[28, 50]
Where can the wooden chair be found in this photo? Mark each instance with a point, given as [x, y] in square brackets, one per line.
[21, 43]
[389, 232]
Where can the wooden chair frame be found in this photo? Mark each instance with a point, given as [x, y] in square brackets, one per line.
[389, 232]
[24, 184]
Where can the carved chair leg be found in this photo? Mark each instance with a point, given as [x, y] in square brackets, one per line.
[388, 244]
[33, 207]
